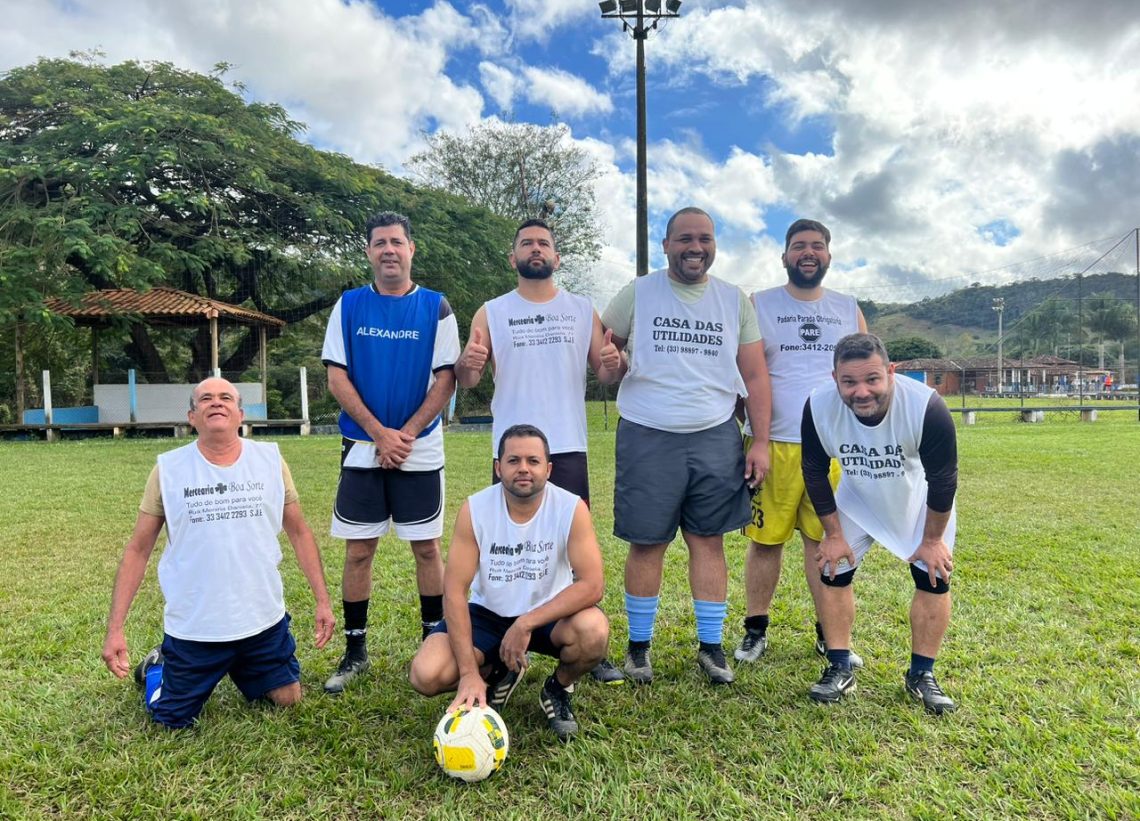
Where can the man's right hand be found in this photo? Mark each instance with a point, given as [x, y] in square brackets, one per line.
[475, 354]
[471, 692]
[115, 654]
[393, 447]
[833, 548]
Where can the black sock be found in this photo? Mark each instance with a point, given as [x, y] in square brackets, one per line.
[431, 608]
[356, 627]
[758, 623]
[708, 647]
[552, 684]
[639, 645]
[819, 632]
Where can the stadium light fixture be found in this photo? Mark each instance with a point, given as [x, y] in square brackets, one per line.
[639, 17]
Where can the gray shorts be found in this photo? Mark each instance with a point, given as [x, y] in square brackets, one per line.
[692, 480]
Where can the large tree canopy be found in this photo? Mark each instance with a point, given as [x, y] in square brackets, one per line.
[138, 174]
[523, 171]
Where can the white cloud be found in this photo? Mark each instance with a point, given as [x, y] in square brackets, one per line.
[501, 83]
[538, 19]
[564, 92]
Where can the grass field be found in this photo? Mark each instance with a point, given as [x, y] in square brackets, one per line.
[1043, 656]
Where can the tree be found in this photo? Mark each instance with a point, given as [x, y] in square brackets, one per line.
[139, 174]
[1109, 318]
[912, 347]
[522, 171]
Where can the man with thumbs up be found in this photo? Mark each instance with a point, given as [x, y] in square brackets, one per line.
[538, 340]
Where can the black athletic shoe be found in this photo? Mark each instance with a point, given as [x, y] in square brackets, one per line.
[637, 667]
[710, 658]
[752, 646]
[501, 682]
[349, 668]
[607, 673]
[426, 627]
[149, 660]
[555, 702]
[856, 659]
[833, 685]
[924, 687]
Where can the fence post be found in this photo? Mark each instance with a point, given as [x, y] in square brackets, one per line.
[305, 427]
[133, 395]
[49, 434]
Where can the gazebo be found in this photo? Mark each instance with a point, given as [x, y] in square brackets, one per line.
[165, 307]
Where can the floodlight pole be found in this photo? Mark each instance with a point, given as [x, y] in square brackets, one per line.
[999, 306]
[639, 21]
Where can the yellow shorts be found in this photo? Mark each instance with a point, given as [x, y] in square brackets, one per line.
[781, 504]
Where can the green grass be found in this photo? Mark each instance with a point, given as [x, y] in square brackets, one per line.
[1043, 656]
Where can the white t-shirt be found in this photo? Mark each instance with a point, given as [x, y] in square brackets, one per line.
[521, 566]
[218, 572]
[799, 343]
[683, 375]
[540, 352]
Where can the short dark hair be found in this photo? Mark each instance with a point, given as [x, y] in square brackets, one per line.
[523, 432]
[535, 223]
[859, 346]
[806, 225]
[692, 209]
[383, 220]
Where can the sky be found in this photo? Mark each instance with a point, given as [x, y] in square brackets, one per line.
[942, 143]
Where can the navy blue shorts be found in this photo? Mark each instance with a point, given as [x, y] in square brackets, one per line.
[192, 669]
[488, 629]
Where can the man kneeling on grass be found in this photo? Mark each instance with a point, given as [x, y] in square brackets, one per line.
[528, 554]
[223, 501]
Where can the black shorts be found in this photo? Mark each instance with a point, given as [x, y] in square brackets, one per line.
[569, 471]
[368, 500]
[488, 629]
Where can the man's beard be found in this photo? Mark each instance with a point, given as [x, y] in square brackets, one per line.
[544, 271]
[800, 280]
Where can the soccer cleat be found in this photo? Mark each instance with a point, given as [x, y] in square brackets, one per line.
[501, 682]
[833, 685]
[426, 627]
[924, 687]
[555, 702]
[149, 660]
[710, 658]
[856, 659]
[637, 667]
[752, 646]
[349, 668]
[607, 673]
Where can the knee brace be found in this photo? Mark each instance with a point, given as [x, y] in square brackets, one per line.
[840, 580]
[922, 582]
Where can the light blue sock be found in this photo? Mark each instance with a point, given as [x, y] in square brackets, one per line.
[642, 612]
[153, 684]
[710, 620]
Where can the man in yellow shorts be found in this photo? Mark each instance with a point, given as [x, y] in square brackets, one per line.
[800, 322]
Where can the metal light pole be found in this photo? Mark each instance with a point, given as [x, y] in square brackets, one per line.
[999, 306]
[639, 17]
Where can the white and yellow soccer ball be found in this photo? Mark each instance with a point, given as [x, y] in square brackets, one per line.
[470, 744]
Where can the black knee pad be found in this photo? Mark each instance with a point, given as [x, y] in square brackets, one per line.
[922, 582]
[840, 580]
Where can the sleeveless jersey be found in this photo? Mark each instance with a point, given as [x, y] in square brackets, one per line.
[218, 572]
[521, 566]
[389, 342]
[683, 376]
[540, 352]
[883, 484]
[799, 341]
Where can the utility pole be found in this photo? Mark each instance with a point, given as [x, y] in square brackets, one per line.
[639, 17]
[999, 306]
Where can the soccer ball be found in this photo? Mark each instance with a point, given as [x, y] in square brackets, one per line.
[470, 744]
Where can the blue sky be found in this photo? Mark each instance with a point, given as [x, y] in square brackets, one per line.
[943, 144]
